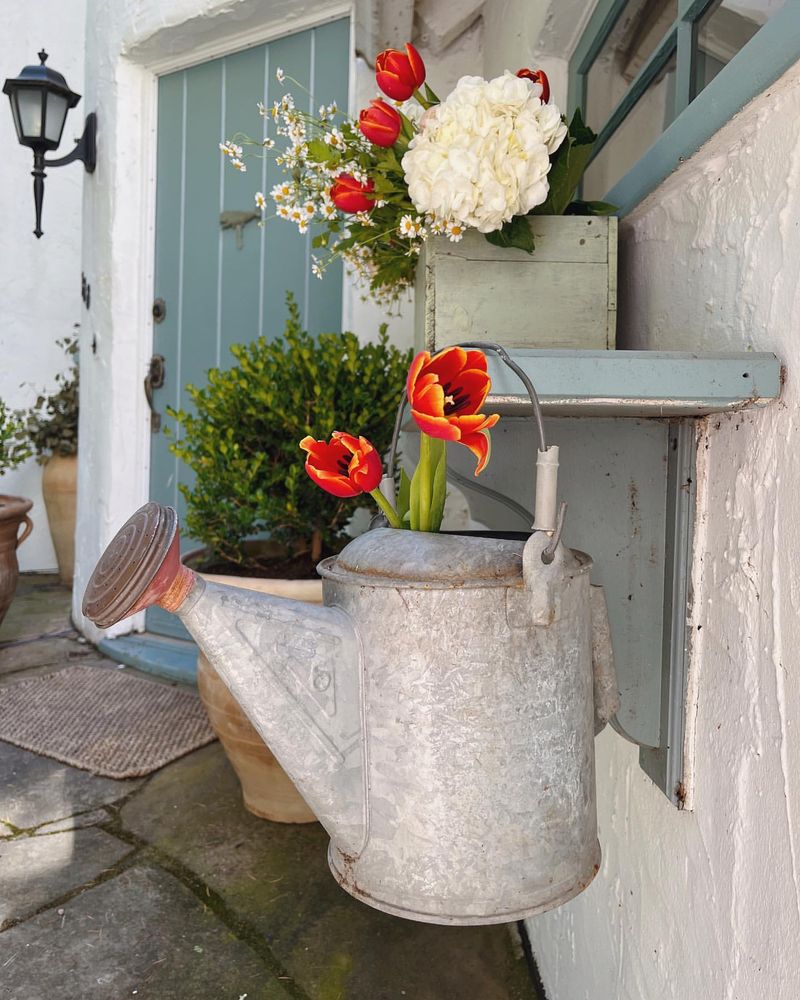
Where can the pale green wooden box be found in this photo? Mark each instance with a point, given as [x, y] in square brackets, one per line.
[564, 295]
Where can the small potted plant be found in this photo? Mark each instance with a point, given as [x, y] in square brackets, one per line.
[13, 510]
[51, 427]
[261, 520]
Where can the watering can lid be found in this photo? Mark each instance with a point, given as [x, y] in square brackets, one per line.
[388, 557]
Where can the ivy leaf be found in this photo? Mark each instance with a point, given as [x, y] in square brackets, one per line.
[319, 151]
[516, 233]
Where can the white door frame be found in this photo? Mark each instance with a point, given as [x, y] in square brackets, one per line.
[124, 60]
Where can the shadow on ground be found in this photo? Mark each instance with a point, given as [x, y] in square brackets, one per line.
[165, 888]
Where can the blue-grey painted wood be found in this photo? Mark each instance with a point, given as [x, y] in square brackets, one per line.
[220, 289]
[665, 763]
[173, 659]
[636, 383]
[773, 50]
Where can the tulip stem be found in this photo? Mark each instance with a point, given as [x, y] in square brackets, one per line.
[421, 100]
[425, 482]
[387, 508]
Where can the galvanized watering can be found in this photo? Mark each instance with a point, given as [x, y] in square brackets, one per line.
[438, 713]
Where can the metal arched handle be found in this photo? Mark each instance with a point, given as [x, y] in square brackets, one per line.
[154, 380]
[28, 529]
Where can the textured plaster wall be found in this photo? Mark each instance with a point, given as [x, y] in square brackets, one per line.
[705, 905]
[39, 279]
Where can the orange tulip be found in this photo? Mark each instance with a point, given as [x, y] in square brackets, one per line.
[345, 466]
[446, 392]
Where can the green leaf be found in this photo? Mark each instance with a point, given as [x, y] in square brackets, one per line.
[517, 233]
[578, 207]
[567, 167]
[403, 496]
[320, 152]
[413, 506]
[439, 494]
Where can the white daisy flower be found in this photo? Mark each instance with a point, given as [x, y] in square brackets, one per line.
[261, 201]
[280, 76]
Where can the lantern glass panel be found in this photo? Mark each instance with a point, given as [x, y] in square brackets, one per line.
[56, 115]
[15, 113]
[30, 112]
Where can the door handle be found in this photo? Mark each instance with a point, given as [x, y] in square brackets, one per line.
[154, 380]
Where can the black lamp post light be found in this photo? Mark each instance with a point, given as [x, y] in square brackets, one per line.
[40, 100]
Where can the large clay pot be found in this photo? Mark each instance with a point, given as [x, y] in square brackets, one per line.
[59, 488]
[13, 513]
[267, 790]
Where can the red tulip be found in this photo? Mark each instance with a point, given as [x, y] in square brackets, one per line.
[349, 195]
[537, 76]
[399, 74]
[380, 123]
[345, 467]
[446, 392]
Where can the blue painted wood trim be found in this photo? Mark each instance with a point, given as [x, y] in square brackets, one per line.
[171, 659]
[769, 54]
[636, 383]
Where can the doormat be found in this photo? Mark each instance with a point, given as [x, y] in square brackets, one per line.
[103, 721]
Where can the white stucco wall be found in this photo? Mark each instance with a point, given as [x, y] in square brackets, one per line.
[705, 905]
[39, 279]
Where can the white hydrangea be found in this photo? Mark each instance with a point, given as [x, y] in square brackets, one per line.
[482, 156]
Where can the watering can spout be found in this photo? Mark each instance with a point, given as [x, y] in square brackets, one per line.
[295, 668]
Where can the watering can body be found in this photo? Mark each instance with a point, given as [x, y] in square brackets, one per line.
[438, 714]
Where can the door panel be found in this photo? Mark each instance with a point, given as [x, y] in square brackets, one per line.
[220, 286]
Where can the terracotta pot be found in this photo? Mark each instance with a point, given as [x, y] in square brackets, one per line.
[267, 790]
[59, 488]
[13, 513]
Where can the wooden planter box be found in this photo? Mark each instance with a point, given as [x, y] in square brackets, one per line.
[564, 295]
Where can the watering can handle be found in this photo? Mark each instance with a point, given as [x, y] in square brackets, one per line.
[27, 531]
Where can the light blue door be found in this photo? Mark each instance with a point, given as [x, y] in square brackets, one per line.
[224, 286]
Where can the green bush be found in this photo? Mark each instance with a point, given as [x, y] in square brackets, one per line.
[241, 439]
[51, 424]
[13, 448]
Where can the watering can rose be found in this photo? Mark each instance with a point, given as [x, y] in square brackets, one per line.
[400, 74]
[446, 392]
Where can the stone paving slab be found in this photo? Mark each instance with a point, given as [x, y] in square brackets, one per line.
[41, 605]
[276, 877]
[141, 934]
[58, 651]
[36, 790]
[36, 870]
[92, 818]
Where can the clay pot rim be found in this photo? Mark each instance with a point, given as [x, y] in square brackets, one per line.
[13, 507]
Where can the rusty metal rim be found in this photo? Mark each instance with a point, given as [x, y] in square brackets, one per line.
[122, 577]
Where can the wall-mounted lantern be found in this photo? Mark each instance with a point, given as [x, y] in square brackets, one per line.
[40, 100]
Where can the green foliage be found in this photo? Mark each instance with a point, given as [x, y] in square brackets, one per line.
[568, 164]
[242, 438]
[13, 448]
[51, 424]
